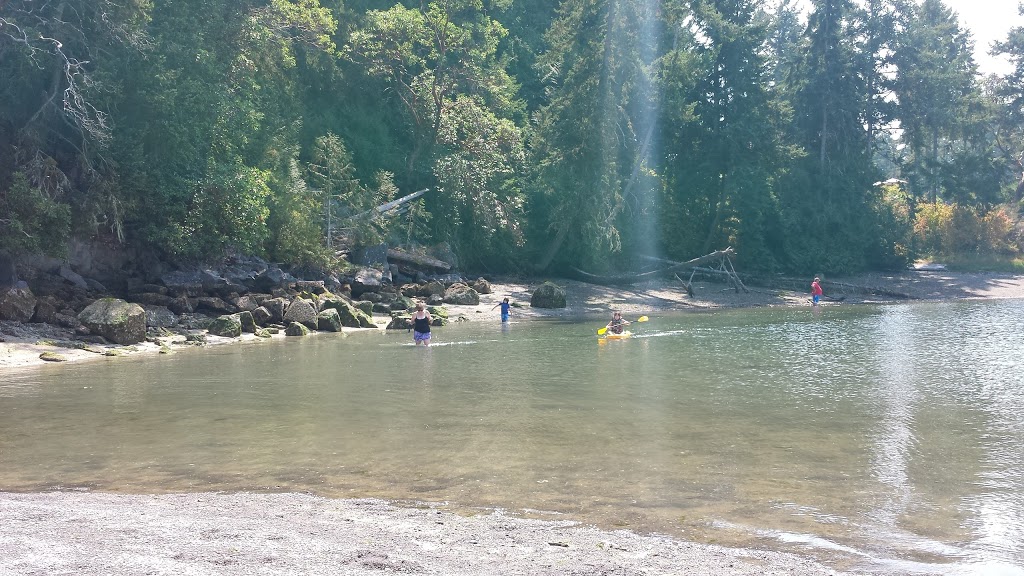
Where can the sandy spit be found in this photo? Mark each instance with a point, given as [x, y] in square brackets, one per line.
[86, 534]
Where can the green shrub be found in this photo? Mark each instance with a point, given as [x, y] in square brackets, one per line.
[32, 222]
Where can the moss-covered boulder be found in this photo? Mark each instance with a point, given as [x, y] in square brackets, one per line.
[228, 326]
[400, 321]
[247, 321]
[296, 329]
[351, 317]
[548, 295]
[115, 320]
[364, 306]
[52, 357]
[329, 321]
[438, 311]
[402, 303]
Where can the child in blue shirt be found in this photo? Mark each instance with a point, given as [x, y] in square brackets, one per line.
[505, 309]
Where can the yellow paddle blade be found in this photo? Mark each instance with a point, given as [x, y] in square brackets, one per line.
[602, 331]
[642, 319]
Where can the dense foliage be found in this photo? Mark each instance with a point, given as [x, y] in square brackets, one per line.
[582, 133]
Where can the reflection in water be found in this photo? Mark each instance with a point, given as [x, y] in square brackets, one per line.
[887, 438]
[898, 398]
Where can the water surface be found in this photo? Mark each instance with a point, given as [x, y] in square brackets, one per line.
[875, 438]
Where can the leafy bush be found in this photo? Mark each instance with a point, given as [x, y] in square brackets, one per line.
[950, 230]
[32, 222]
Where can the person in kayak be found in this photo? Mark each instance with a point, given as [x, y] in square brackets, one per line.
[421, 325]
[617, 324]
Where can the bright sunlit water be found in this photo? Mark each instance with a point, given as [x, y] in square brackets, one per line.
[874, 438]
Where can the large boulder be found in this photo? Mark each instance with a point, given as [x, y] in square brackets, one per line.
[214, 304]
[301, 311]
[296, 329]
[270, 279]
[400, 321]
[482, 286]
[115, 320]
[17, 304]
[461, 294]
[402, 303]
[329, 321]
[73, 277]
[245, 303]
[261, 316]
[367, 280]
[548, 295]
[351, 316]
[159, 317]
[228, 326]
[151, 299]
[434, 287]
[247, 321]
[276, 307]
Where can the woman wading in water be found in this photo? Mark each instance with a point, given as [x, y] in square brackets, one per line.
[421, 325]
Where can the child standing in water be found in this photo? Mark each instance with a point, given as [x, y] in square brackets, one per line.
[421, 325]
[815, 291]
[506, 310]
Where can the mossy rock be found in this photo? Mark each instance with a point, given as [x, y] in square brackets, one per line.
[296, 329]
[228, 326]
[438, 311]
[115, 320]
[329, 321]
[52, 357]
[264, 332]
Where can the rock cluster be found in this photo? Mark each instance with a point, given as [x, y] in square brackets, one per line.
[241, 295]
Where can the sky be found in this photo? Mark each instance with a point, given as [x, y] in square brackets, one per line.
[988, 21]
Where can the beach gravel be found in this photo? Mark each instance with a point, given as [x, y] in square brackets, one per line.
[87, 534]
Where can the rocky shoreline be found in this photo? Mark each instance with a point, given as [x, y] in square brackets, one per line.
[64, 317]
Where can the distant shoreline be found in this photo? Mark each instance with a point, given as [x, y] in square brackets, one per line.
[583, 299]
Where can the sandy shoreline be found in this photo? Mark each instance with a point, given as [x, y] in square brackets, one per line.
[87, 534]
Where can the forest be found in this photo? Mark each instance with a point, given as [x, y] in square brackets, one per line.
[852, 135]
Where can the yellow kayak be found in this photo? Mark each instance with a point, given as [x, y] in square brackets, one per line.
[623, 336]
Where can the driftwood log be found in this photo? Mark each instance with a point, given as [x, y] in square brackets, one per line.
[417, 259]
[671, 269]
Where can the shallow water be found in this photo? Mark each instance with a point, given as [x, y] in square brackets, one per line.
[875, 438]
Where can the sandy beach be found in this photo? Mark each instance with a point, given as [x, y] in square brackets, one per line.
[88, 534]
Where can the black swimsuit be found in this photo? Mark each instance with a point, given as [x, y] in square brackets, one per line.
[421, 325]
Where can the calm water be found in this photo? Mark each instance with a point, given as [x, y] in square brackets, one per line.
[875, 438]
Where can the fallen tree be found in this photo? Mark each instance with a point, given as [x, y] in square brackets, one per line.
[722, 257]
